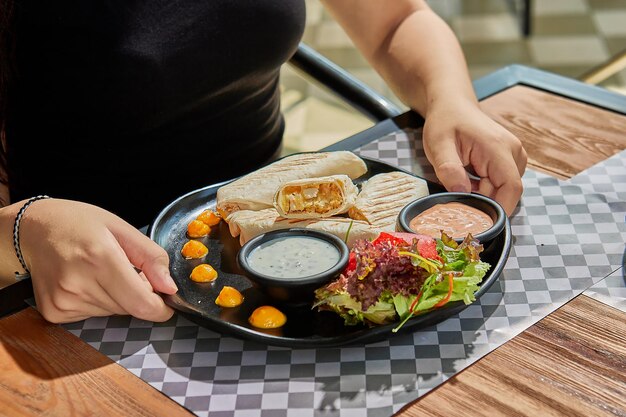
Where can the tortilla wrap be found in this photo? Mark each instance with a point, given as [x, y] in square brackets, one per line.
[383, 196]
[256, 190]
[247, 224]
[313, 198]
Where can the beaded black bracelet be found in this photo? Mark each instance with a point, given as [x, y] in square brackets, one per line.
[16, 235]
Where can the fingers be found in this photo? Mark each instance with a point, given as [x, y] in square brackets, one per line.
[101, 298]
[145, 255]
[508, 195]
[517, 151]
[66, 307]
[504, 184]
[500, 160]
[59, 317]
[81, 269]
[486, 187]
[448, 166]
[133, 294]
[135, 297]
[71, 317]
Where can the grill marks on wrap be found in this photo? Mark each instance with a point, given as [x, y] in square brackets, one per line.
[303, 161]
[383, 209]
[247, 224]
[383, 196]
[248, 203]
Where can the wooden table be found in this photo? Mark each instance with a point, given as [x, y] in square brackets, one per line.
[573, 362]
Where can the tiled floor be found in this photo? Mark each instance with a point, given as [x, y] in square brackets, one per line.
[569, 37]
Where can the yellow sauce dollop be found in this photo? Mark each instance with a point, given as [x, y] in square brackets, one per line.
[196, 229]
[203, 273]
[229, 297]
[194, 250]
[267, 317]
[209, 217]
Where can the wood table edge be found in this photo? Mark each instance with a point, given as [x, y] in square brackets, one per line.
[69, 367]
[428, 403]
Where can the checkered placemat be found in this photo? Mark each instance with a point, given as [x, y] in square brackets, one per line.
[609, 179]
[568, 235]
[611, 290]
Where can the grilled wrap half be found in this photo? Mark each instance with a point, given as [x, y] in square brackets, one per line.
[383, 196]
[256, 190]
[313, 198]
[247, 224]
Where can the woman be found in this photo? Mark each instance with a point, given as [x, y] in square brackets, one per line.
[125, 105]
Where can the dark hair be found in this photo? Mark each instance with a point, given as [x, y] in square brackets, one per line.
[7, 49]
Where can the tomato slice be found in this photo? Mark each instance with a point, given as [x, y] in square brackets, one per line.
[408, 237]
[426, 245]
[428, 249]
[389, 237]
[351, 263]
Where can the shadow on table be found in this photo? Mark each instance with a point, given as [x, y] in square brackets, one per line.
[403, 367]
[37, 351]
[176, 352]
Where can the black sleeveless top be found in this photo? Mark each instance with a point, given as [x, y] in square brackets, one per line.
[129, 104]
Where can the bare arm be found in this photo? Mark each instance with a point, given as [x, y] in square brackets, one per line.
[82, 260]
[409, 46]
[419, 57]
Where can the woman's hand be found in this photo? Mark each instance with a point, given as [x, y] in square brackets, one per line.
[420, 58]
[82, 260]
[458, 135]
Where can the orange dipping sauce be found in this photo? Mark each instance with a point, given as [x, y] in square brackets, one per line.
[455, 219]
[267, 317]
[229, 297]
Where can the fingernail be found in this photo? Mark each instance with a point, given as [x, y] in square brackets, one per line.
[169, 281]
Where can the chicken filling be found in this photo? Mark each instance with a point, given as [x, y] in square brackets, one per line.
[320, 198]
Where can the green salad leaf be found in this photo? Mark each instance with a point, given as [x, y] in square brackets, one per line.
[393, 279]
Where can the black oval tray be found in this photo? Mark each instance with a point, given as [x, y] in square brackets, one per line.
[305, 327]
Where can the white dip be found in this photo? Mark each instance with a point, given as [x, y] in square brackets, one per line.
[293, 257]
